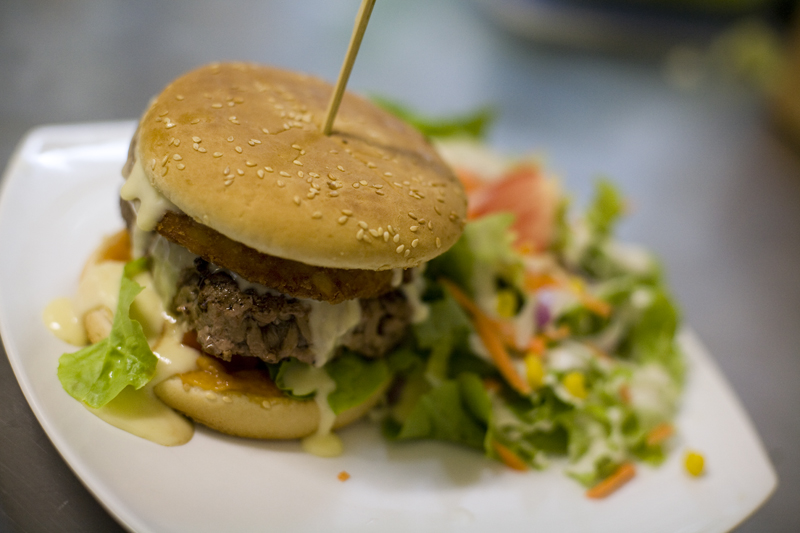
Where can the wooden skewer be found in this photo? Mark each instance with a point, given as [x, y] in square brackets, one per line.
[352, 51]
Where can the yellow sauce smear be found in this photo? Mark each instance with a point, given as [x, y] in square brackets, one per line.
[212, 375]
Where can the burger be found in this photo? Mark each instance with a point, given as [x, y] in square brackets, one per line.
[281, 251]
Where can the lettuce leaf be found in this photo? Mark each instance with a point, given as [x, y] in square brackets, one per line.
[457, 411]
[356, 380]
[473, 124]
[96, 374]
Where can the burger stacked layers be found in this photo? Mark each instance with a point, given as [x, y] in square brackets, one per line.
[270, 241]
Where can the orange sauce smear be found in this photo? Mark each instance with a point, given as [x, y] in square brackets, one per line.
[212, 375]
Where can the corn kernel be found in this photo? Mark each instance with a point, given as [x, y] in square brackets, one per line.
[534, 370]
[506, 303]
[694, 463]
[575, 383]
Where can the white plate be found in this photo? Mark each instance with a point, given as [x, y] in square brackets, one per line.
[59, 198]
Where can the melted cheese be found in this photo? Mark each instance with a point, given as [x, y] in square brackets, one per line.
[62, 320]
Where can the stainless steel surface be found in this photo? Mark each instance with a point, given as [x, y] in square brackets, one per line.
[715, 192]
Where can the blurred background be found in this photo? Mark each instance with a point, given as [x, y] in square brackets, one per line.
[692, 106]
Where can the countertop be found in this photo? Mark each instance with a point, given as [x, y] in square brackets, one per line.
[716, 193]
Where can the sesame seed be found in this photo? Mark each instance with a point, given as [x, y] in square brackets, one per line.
[414, 228]
[412, 215]
[436, 208]
[311, 194]
[342, 219]
[251, 143]
[360, 234]
[374, 232]
[388, 174]
[391, 230]
[230, 104]
[233, 119]
[415, 243]
[408, 252]
[163, 113]
[280, 183]
[249, 163]
[211, 395]
[260, 172]
[238, 99]
[240, 171]
[152, 164]
[396, 238]
[216, 106]
[202, 150]
[315, 185]
[230, 139]
[228, 182]
[341, 169]
[300, 174]
[296, 146]
[333, 194]
[356, 185]
[177, 157]
[178, 97]
[217, 154]
[334, 151]
[265, 130]
[430, 225]
[400, 248]
[268, 169]
[370, 164]
[227, 171]
[380, 193]
[176, 142]
[438, 242]
[285, 174]
[266, 405]
[196, 139]
[317, 214]
[297, 200]
[181, 166]
[255, 141]
[164, 160]
[238, 149]
[227, 399]
[363, 224]
[347, 212]
[298, 163]
[170, 125]
[164, 171]
[363, 182]
[386, 236]
[313, 174]
[195, 146]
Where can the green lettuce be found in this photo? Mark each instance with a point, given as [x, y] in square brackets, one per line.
[96, 374]
[474, 124]
[356, 379]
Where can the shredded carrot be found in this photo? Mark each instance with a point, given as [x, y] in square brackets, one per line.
[537, 345]
[595, 305]
[560, 333]
[609, 485]
[625, 393]
[343, 476]
[659, 434]
[491, 384]
[491, 337]
[535, 282]
[509, 458]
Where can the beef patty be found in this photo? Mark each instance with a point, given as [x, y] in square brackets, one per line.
[230, 321]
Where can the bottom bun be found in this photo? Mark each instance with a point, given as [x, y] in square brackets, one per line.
[251, 416]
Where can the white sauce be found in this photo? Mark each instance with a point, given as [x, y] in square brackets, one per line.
[413, 293]
[397, 277]
[305, 380]
[150, 207]
[138, 412]
[328, 324]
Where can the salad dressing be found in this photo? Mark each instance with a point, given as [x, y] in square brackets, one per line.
[138, 412]
[305, 380]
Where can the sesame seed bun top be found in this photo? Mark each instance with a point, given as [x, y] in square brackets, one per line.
[239, 148]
